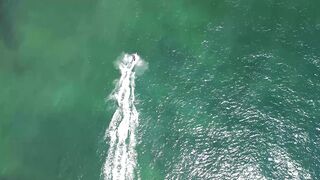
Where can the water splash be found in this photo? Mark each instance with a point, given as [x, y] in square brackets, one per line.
[121, 160]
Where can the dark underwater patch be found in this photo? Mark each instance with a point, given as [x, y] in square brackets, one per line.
[7, 27]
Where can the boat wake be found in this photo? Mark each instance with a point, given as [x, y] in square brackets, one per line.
[121, 159]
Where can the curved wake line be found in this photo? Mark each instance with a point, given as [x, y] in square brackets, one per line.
[121, 159]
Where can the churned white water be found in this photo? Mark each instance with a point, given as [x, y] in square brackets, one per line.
[121, 159]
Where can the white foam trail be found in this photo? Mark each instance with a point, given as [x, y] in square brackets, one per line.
[121, 160]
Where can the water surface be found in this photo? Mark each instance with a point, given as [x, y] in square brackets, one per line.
[232, 89]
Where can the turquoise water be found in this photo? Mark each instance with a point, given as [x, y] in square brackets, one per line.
[231, 92]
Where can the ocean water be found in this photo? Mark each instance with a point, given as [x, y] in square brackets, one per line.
[231, 90]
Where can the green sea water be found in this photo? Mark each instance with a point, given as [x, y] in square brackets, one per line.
[231, 92]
